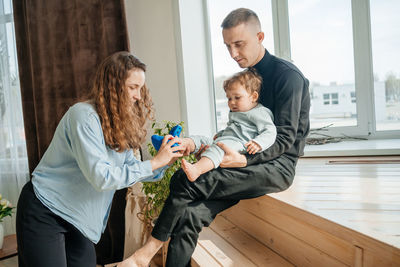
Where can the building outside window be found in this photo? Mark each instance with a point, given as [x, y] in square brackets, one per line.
[353, 97]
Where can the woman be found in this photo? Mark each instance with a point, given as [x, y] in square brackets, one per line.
[63, 210]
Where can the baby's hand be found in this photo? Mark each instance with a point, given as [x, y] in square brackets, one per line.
[252, 147]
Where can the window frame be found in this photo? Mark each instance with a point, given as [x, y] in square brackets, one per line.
[363, 65]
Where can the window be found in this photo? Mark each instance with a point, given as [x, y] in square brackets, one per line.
[223, 65]
[386, 63]
[13, 156]
[353, 97]
[322, 47]
[345, 48]
[331, 99]
[334, 99]
[327, 99]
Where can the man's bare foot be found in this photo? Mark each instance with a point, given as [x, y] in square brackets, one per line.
[191, 171]
[132, 262]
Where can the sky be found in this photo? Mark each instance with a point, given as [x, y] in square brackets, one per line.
[321, 37]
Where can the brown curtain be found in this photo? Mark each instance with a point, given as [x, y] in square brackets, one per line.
[59, 45]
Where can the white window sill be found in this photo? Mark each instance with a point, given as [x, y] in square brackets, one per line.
[355, 148]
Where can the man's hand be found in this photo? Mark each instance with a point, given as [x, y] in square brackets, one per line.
[232, 158]
[252, 147]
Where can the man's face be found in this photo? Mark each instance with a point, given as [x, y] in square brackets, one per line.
[244, 44]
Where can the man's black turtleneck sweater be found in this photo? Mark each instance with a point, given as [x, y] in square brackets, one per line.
[285, 92]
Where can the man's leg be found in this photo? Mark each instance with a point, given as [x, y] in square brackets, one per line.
[222, 184]
[186, 232]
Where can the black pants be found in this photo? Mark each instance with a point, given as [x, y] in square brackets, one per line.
[45, 239]
[191, 206]
[110, 248]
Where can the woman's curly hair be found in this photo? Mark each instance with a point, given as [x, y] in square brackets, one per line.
[123, 123]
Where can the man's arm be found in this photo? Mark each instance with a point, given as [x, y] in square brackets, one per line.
[288, 99]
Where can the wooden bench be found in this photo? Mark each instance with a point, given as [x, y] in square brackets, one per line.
[338, 212]
[225, 244]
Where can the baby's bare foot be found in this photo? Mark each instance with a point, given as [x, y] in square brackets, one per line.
[191, 171]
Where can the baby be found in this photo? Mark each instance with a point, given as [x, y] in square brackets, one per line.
[250, 127]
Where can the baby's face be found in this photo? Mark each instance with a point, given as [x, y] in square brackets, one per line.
[239, 99]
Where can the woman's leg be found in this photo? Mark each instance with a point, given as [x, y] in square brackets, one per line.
[79, 250]
[40, 234]
[45, 239]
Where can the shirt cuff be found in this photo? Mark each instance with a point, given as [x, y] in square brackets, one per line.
[197, 143]
[157, 174]
[147, 171]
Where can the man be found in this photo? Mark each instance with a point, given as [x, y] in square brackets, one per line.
[191, 206]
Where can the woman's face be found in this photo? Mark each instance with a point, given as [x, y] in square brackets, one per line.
[134, 84]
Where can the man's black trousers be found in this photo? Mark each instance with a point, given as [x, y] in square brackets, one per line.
[191, 206]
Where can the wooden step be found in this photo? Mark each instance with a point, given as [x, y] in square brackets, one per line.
[224, 244]
[336, 213]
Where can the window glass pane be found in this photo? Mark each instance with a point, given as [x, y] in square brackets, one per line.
[223, 65]
[14, 172]
[321, 43]
[385, 29]
[13, 156]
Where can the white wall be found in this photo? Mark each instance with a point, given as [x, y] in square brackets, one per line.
[195, 64]
[170, 37]
[151, 34]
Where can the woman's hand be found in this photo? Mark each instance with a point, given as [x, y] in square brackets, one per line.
[232, 158]
[188, 144]
[167, 153]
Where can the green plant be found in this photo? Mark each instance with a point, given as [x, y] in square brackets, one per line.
[157, 192]
[6, 208]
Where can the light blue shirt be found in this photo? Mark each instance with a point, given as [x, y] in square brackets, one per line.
[78, 175]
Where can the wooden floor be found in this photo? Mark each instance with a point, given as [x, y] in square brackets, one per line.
[10, 262]
[338, 212]
[362, 194]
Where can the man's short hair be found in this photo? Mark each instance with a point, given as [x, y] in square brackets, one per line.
[239, 16]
